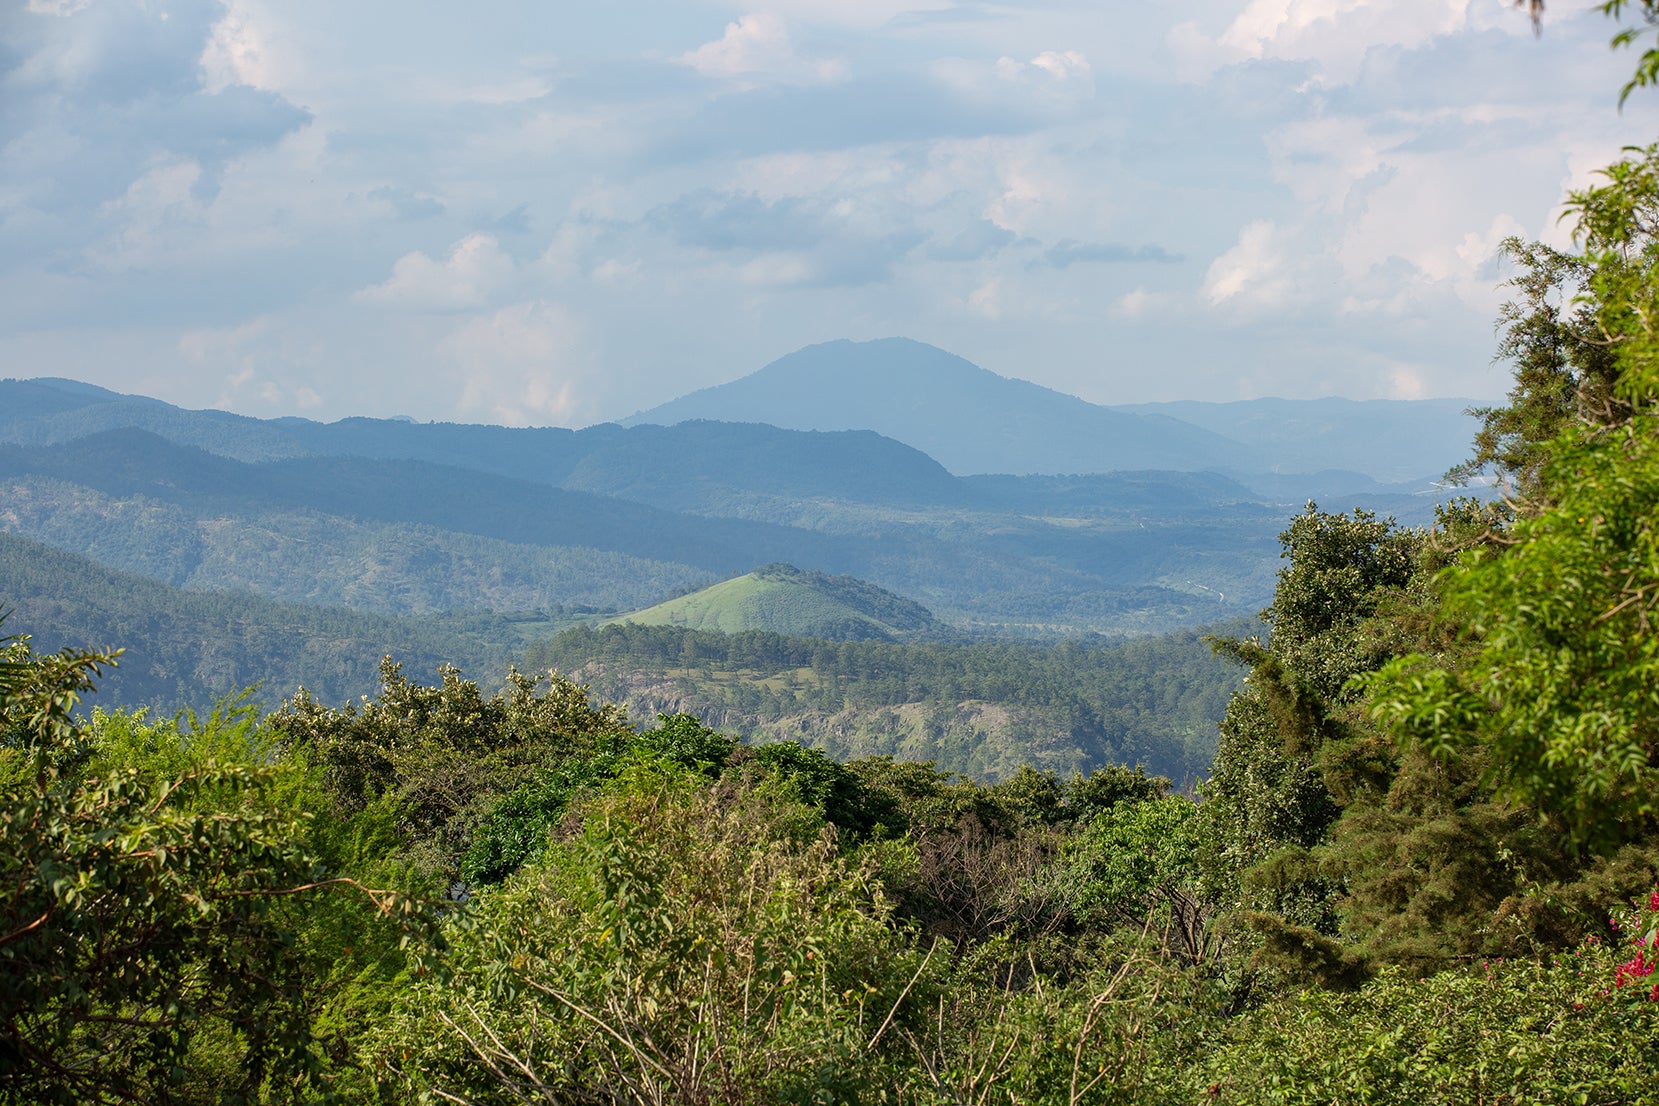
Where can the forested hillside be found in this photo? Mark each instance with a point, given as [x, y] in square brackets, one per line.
[984, 710]
[187, 649]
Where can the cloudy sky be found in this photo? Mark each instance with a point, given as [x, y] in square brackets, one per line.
[549, 213]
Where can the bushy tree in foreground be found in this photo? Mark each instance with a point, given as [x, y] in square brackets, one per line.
[1554, 677]
[442, 757]
[171, 928]
[693, 942]
[1456, 756]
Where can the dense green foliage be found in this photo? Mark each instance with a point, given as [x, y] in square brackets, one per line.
[1554, 675]
[689, 944]
[181, 917]
[1510, 1031]
[1455, 758]
[225, 910]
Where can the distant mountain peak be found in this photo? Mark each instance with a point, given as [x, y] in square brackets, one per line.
[969, 419]
[888, 364]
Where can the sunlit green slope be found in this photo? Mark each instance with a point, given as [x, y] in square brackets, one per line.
[782, 599]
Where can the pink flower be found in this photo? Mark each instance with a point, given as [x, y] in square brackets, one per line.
[1635, 968]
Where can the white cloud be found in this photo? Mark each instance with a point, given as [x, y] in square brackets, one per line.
[1133, 304]
[1063, 66]
[250, 361]
[1196, 54]
[986, 300]
[1333, 34]
[1406, 382]
[513, 91]
[1052, 83]
[149, 218]
[475, 269]
[1021, 184]
[758, 45]
[521, 365]
[225, 346]
[1309, 238]
[1388, 200]
[614, 272]
[236, 52]
[777, 270]
[1369, 262]
[1260, 274]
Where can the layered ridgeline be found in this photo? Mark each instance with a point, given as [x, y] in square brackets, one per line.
[410, 537]
[188, 649]
[975, 421]
[966, 418]
[392, 517]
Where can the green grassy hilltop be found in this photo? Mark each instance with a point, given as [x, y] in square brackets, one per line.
[783, 599]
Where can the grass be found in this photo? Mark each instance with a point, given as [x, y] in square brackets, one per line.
[754, 602]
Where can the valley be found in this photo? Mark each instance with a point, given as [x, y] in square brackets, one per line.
[224, 551]
[398, 518]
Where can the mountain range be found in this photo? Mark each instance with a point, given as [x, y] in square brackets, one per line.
[926, 513]
[972, 420]
[395, 518]
[965, 419]
[1027, 554]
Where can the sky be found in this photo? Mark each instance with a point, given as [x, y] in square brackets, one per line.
[533, 212]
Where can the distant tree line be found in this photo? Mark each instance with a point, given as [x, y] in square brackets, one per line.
[1152, 701]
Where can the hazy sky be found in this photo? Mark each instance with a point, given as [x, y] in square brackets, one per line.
[555, 213]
